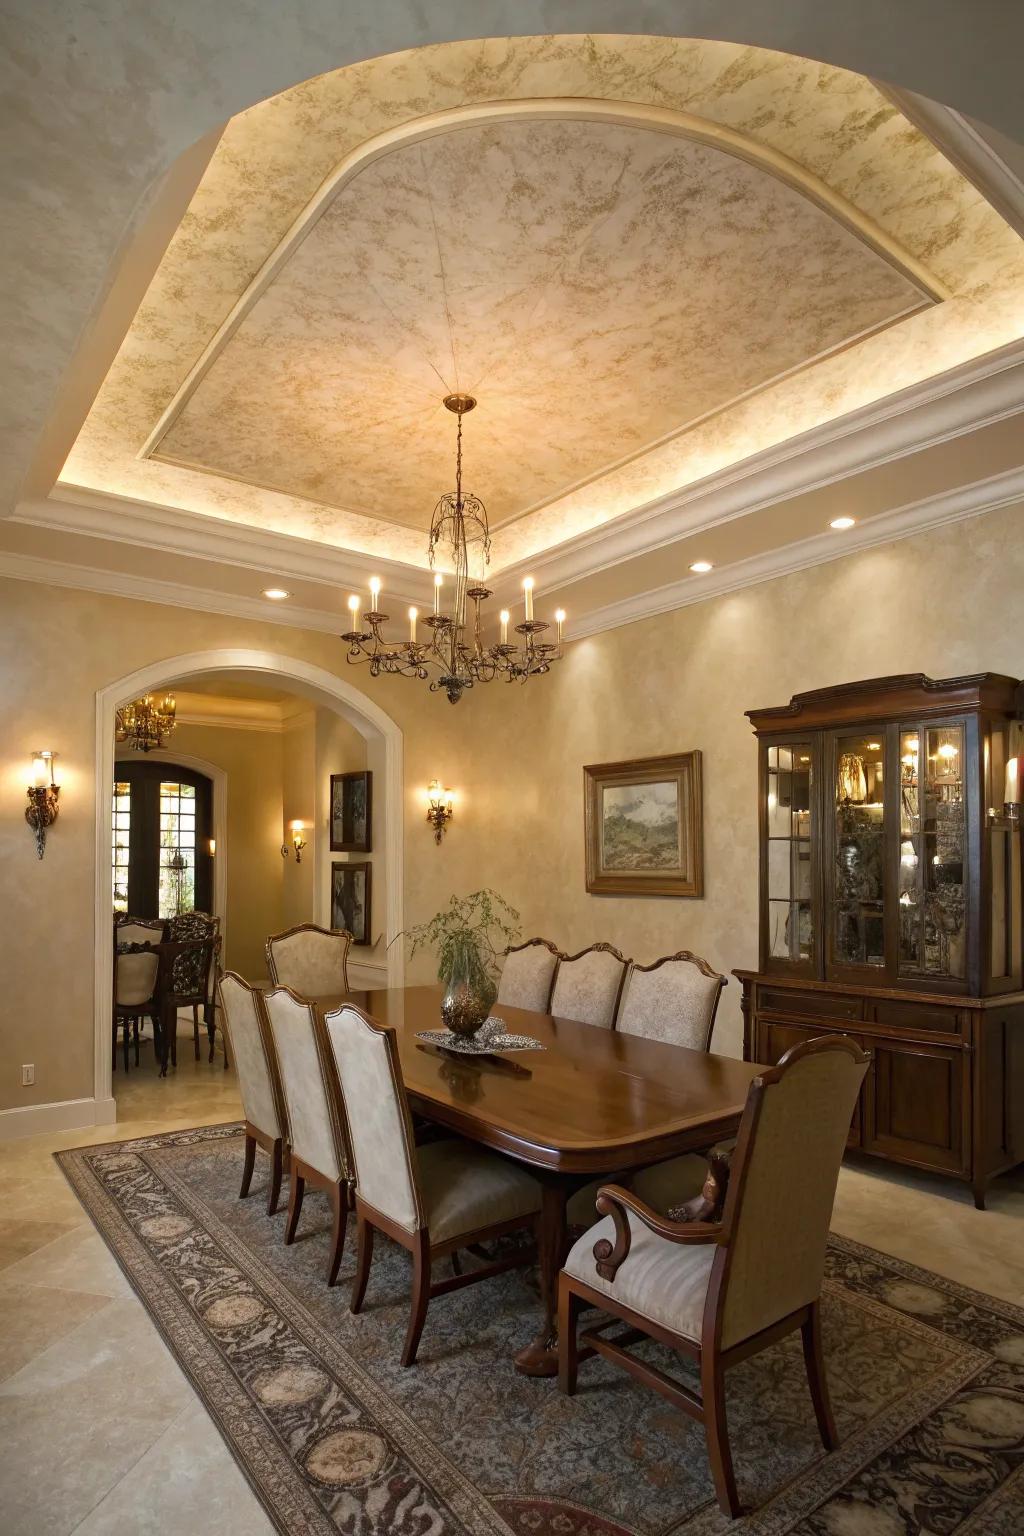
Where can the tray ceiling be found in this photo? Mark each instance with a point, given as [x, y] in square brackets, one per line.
[648, 258]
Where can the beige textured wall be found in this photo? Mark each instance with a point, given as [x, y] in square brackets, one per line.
[252, 762]
[944, 602]
[340, 748]
[298, 786]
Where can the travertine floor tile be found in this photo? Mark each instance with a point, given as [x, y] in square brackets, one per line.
[78, 1261]
[34, 1317]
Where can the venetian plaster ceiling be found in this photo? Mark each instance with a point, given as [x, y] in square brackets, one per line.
[649, 258]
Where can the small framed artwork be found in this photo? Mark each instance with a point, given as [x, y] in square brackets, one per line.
[350, 900]
[643, 824]
[351, 812]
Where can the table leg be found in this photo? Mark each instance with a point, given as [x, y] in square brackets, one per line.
[540, 1358]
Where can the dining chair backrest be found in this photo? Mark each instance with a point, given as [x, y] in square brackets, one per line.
[782, 1183]
[184, 966]
[675, 1000]
[309, 1084]
[138, 930]
[135, 976]
[528, 974]
[311, 960]
[189, 977]
[252, 1051]
[587, 986]
[380, 1126]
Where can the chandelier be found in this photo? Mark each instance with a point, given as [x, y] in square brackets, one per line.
[454, 656]
[144, 723]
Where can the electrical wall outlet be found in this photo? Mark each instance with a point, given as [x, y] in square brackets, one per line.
[28, 1075]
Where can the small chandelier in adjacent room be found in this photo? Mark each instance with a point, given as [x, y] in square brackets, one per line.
[145, 724]
[454, 656]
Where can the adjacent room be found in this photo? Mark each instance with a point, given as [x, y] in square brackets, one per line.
[511, 543]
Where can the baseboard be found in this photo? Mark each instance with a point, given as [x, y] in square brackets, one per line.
[47, 1119]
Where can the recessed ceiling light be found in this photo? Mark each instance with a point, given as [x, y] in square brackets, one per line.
[701, 567]
[276, 594]
[839, 523]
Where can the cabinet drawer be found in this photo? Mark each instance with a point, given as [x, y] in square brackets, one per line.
[920, 1017]
[817, 1005]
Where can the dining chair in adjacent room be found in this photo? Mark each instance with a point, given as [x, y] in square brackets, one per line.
[719, 1291]
[433, 1199]
[528, 974]
[674, 1000]
[318, 1150]
[587, 986]
[259, 1082]
[194, 985]
[184, 965]
[311, 960]
[136, 968]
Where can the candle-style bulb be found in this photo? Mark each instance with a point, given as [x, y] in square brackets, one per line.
[504, 617]
[559, 620]
[375, 589]
[414, 614]
[528, 596]
[438, 580]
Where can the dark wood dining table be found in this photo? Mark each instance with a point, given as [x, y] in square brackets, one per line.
[592, 1103]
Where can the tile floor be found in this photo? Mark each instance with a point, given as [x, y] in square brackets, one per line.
[100, 1433]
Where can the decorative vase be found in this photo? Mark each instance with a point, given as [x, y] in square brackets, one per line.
[469, 994]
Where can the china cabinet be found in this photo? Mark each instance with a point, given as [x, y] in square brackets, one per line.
[890, 908]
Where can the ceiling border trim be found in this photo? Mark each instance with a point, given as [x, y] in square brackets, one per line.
[658, 119]
[903, 522]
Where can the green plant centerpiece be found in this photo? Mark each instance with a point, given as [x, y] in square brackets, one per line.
[466, 934]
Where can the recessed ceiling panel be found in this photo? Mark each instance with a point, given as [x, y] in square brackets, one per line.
[598, 287]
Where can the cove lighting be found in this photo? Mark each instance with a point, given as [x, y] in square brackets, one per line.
[841, 523]
[701, 567]
[276, 594]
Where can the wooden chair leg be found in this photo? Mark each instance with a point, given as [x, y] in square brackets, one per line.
[195, 1029]
[364, 1258]
[276, 1169]
[569, 1307]
[296, 1190]
[712, 1380]
[127, 1032]
[456, 1262]
[814, 1360]
[135, 1037]
[339, 1205]
[420, 1298]
[248, 1165]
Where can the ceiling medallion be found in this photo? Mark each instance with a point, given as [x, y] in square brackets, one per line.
[455, 651]
[144, 724]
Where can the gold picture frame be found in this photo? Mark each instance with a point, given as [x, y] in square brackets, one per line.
[643, 826]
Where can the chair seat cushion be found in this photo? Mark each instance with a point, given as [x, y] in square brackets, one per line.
[666, 1282]
[670, 1183]
[465, 1188]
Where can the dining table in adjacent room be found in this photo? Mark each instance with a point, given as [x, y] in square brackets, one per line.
[591, 1104]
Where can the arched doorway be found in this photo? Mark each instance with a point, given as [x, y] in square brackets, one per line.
[320, 687]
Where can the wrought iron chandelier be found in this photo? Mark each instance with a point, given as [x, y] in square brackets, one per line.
[454, 657]
[145, 724]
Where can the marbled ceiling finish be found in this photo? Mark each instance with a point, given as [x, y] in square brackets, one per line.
[596, 286]
[272, 159]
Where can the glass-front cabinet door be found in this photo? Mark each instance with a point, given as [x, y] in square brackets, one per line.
[789, 787]
[932, 891]
[857, 876]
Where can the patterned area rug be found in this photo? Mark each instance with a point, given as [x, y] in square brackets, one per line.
[927, 1382]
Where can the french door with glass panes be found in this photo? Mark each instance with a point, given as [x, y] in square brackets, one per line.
[161, 821]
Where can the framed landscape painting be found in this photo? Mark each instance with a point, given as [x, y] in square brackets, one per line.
[350, 900]
[351, 812]
[643, 823]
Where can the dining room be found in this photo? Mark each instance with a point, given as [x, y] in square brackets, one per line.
[513, 784]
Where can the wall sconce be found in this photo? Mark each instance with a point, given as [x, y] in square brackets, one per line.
[211, 846]
[440, 807]
[298, 841]
[43, 794]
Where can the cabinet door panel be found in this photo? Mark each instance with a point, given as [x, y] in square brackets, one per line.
[914, 1105]
[778, 1037]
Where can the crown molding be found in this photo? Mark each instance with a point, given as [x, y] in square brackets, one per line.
[976, 395]
[229, 722]
[903, 522]
[888, 527]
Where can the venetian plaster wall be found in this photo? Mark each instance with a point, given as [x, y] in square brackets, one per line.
[298, 784]
[945, 602]
[252, 762]
[341, 749]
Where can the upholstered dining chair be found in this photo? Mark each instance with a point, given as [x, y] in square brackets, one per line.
[528, 974]
[674, 999]
[719, 1291]
[311, 960]
[433, 1199]
[136, 968]
[318, 1148]
[587, 985]
[193, 985]
[259, 1082]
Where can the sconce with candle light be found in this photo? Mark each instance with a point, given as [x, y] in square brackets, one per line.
[440, 808]
[43, 794]
[296, 828]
